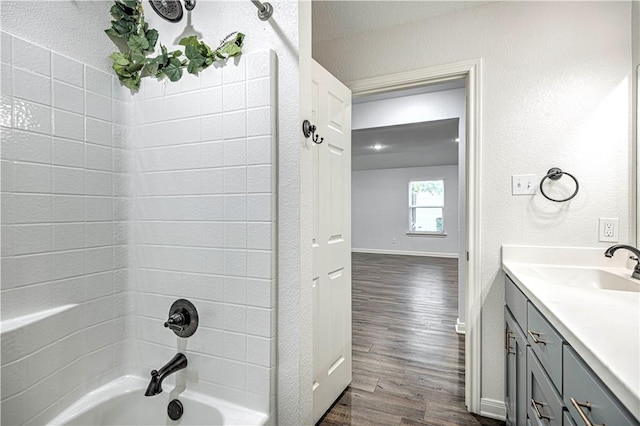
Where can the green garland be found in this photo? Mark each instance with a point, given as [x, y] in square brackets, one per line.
[133, 63]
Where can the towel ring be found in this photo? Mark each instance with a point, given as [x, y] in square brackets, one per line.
[556, 173]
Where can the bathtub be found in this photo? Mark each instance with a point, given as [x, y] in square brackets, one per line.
[122, 402]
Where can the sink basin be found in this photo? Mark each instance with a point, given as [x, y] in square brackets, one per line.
[585, 277]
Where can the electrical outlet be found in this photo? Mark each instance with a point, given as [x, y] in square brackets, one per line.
[524, 184]
[608, 230]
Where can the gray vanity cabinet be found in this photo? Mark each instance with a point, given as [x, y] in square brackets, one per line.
[515, 314]
[516, 371]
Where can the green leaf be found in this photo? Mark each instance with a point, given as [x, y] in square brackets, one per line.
[112, 32]
[173, 70]
[232, 47]
[152, 37]
[189, 41]
[138, 43]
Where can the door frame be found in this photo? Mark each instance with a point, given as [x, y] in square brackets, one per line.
[471, 71]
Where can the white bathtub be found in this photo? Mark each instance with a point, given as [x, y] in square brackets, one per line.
[122, 402]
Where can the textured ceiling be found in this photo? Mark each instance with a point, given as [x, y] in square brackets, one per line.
[430, 143]
[341, 18]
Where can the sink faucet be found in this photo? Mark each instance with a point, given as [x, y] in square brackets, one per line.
[176, 363]
[636, 270]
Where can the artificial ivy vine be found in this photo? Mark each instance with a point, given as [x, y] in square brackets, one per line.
[134, 61]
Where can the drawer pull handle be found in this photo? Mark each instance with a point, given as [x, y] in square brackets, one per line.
[578, 406]
[535, 404]
[536, 337]
[507, 347]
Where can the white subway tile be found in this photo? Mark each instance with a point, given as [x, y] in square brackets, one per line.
[234, 125]
[213, 290]
[258, 379]
[180, 157]
[98, 259]
[6, 79]
[67, 152]
[259, 293]
[97, 81]
[68, 236]
[6, 111]
[99, 208]
[6, 242]
[213, 261]
[233, 71]
[235, 152]
[259, 122]
[259, 179]
[99, 132]
[30, 177]
[31, 116]
[67, 264]
[235, 290]
[234, 97]
[99, 285]
[7, 178]
[212, 154]
[235, 318]
[67, 70]
[5, 47]
[259, 207]
[14, 378]
[235, 263]
[235, 180]
[67, 97]
[259, 64]
[213, 181]
[235, 235]
[30, 208]
[170, 133]
[259, 235]
[259, 351]
[259, 264]
[213, 234]
[68, 125]
[32, 147]
[99, 234]
[98, 106]
[211, 314]
[260, 321]
[68, 181]
[211, 77]
[207, 341]
[235, 207]
[15, 409]
[31, 57]
[259, 93]
[212, 127]
[212, 208]
[31, 269]
[98, 183]
[98, 157]
[32, 87]
[30, 239]
[211, 100]
[68, 208]
[235, 346]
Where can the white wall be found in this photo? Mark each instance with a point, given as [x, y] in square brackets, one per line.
[64, 230]
[380, 212]
[555, 92]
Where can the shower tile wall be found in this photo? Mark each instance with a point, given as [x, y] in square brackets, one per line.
[64, 229]
[205, 225]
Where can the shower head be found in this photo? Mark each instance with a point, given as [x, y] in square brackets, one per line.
[171, 10]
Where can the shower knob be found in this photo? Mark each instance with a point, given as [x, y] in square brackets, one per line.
[183, 318]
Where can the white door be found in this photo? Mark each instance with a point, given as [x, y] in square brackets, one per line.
[331, 113]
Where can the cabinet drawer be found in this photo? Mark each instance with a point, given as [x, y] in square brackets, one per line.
[581, 384]
[516, 302]
[544, 402]
[546, 344]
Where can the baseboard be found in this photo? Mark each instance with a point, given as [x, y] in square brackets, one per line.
[460, 327]
[493, 409]
[406, 253]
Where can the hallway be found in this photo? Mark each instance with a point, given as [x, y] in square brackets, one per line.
[408, 362]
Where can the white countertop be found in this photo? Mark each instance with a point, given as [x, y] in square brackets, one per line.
[603, 326]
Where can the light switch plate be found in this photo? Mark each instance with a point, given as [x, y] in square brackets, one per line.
[524, 184]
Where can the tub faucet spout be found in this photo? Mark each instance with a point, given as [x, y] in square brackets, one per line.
[176, 363]
[636, 270]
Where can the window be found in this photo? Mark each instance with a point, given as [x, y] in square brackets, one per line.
[426, 206]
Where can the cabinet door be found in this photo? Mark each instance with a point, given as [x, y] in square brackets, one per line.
[543, 401]
[516, 372]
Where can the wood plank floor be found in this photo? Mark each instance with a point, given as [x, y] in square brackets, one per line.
[408, 362]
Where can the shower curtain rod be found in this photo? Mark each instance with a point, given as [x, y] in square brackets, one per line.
[265, 10]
